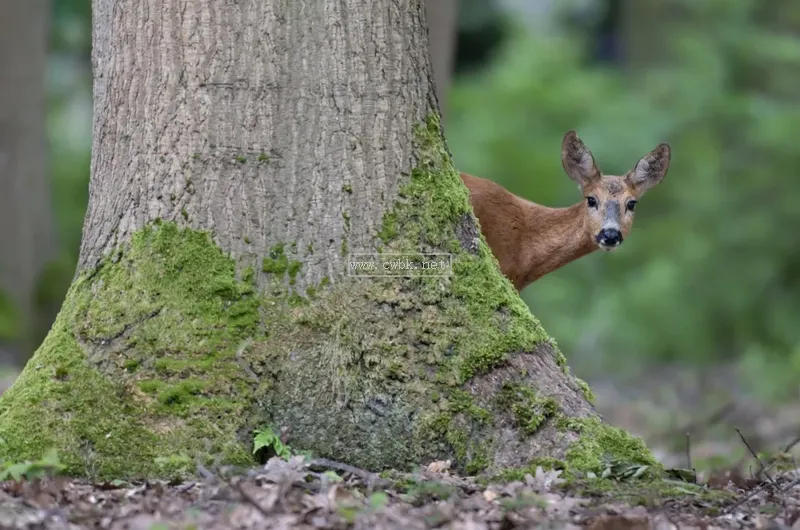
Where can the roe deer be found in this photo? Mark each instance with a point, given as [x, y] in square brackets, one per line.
[530, 240]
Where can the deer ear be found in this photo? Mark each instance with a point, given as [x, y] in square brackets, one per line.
[651, 169]
[577, 160]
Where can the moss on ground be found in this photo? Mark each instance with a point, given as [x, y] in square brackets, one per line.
[600, 444]
[171, 336]
[599, 449]
[647, 491]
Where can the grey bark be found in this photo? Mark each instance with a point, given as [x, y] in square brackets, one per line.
[190, 97]
[26, 230]
[442, 16]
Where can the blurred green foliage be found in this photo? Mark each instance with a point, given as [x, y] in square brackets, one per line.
[9, 319]
[712, 267]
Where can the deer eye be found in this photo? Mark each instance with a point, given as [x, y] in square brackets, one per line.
[631, 205]
[592, 202]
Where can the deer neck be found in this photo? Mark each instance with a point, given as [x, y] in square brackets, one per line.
[557, 237]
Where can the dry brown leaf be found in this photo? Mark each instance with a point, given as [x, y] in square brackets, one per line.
[439, 466]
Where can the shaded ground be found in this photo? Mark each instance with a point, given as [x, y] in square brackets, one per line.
[290, 495]
[710, 411]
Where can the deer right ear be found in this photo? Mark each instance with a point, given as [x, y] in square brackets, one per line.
[577, 160]
[651, 169]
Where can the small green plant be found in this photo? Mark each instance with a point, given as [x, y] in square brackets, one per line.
[47, 466]
[351, 509]
[267, 441]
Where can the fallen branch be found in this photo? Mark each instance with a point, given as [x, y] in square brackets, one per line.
[370, 478]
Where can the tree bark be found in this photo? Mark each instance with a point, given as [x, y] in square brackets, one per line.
[27, 236]
[242, 152]
[442, 16]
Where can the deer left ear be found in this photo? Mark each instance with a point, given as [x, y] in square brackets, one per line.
[651, 169]
[577, 160]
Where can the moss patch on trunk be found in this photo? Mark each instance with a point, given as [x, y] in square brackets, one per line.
[138, 373]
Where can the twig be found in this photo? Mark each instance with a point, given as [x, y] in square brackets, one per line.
[689, 452]
[760, 463]
[371, 478]
[792, 444]
[743, 500]
[790, 485]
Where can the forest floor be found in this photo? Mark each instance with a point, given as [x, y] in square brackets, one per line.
[722, 430]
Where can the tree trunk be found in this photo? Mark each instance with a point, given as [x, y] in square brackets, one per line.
[442, 16]
[27, 237]
[242, 152]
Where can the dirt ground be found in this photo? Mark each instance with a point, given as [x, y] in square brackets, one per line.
[296, 495]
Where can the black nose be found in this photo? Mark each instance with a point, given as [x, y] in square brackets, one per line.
[609, 236]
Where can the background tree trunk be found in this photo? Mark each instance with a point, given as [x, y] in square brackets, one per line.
[291, 133]
[442, 16]
[27, 238]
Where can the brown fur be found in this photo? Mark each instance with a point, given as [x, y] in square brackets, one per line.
[530, 240]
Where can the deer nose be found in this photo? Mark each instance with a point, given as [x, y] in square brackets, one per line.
[610, 237]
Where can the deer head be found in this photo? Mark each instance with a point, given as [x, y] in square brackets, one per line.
[610, 199]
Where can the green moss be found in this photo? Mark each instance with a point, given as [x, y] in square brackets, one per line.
[599, 448]
[347, 188]
[241, 159]
[528, 409]
[181, 299]
[249, 275]
[600, 444]
[294, 268]
[277, 263]
[585, 390]
[388, 229]
[458, 426]
[180, 393]
[263, 157]
[131, 364]
[434, 202]
[645, 491]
